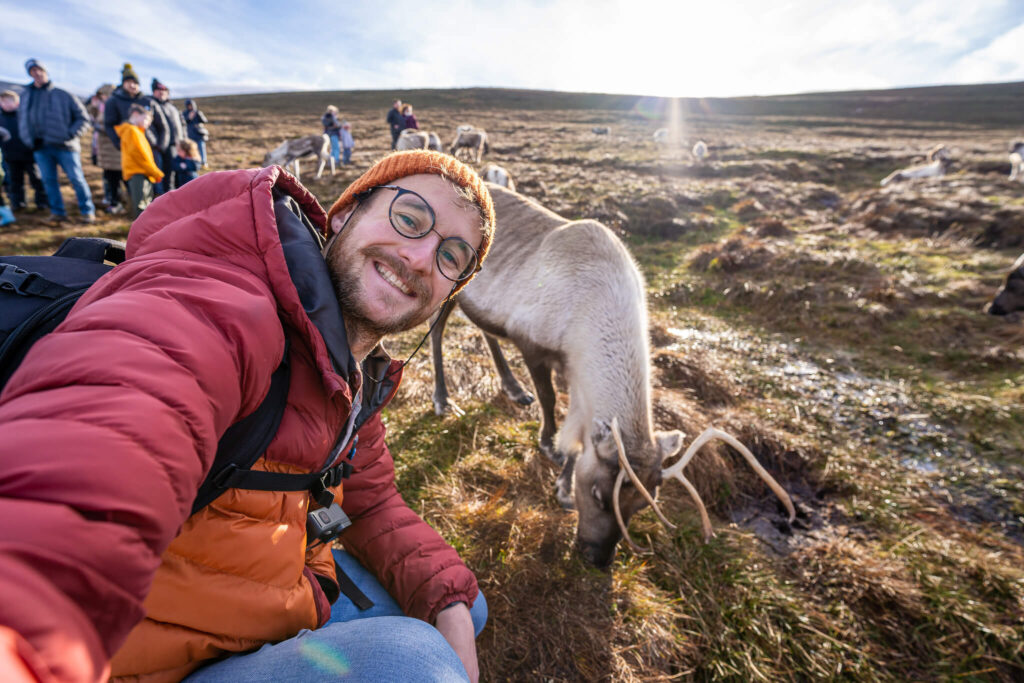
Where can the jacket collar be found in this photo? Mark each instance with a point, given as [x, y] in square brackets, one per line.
[302, 244]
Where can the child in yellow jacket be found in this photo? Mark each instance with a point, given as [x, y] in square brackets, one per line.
[137, 165]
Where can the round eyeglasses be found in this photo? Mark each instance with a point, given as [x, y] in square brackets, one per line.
[411, 216]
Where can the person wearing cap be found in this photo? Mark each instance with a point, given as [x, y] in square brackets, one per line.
[168, 135]
[122, 407]
[49, 122]
[118, 108]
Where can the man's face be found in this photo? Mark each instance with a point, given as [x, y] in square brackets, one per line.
[38, 75]
[162, 94]
[397, 105]
[131, 87]
[388, 283]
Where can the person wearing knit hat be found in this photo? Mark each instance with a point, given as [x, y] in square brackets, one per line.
[49, 122]
[229, 280]
[400, 201]
[128, 73]
[166, 132]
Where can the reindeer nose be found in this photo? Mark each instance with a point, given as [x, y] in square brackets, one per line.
[600, 555]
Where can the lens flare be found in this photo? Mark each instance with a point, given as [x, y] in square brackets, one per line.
[324, 658]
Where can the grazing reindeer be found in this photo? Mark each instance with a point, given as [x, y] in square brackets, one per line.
[1010, 298]
[581, 310]
[700, 150]
[473, 139]
[1017, 161]
[940, 159]
[499, 175]
[290, 151]
[412, 139]
[434, 142]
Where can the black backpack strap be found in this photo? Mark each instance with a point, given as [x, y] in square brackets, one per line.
[246, 440]
[25, 283]
[98, 249]
[350, 590]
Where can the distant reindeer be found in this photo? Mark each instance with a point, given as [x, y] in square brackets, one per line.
[290, 151]
[940, 161]
[1017, 161]
[700, 151]
[601, 130]
[1010, 297]
[472, 139]
[661, 136]
[434, 142]
[412, 139]
[499, 175]
[579, 308]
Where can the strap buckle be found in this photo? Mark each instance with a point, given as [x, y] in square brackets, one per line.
[13, 278]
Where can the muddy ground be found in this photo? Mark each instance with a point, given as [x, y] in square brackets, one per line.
[834, 326]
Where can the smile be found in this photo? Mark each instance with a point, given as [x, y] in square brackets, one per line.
[392, 279]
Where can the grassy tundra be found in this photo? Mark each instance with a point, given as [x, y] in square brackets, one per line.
[833, 326]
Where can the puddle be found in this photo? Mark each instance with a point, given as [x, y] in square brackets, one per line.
[877, 412]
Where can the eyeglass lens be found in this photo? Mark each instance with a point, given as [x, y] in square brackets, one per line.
[412, 217]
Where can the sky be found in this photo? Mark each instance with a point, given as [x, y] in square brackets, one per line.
[711, 48]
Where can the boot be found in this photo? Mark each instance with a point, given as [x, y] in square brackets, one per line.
[6, 215]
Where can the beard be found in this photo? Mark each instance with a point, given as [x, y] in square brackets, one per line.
[346, 273]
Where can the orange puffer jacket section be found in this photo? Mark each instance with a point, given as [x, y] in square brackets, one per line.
[122, 407]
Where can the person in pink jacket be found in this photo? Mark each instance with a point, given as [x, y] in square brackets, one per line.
[112, 421]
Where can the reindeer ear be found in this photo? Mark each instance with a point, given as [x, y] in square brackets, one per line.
[669, 443]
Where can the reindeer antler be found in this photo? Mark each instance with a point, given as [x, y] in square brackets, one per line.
[676, 471]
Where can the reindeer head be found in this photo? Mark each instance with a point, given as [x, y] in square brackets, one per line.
[597, 536]
[598, 531]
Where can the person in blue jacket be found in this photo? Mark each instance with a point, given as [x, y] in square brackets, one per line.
[49, 121]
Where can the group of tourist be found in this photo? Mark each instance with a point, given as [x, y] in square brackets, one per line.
[400, 117]
[340, 133]
[143, 144]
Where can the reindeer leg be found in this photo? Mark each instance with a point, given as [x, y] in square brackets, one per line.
[540, 373]
[509, 384]
[441, 402]
[563, 485]
[320, 168]
[297, 177]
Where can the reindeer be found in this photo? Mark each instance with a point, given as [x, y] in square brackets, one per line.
[581, 311]
[412, 139]
[473, 139]
[434, 142]
[290, 151]
[1017, 161]
[940, 161]
[700, 151]
[1010, 297]
[499, 175]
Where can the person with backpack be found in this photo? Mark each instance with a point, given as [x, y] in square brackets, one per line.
[132, 547]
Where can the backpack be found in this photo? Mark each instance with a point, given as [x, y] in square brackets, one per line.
[36, 294]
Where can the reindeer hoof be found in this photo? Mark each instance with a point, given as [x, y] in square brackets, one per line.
[524, 399]
[551, 454]
[443, 407]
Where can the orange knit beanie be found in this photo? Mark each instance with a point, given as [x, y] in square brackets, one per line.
[401, 164]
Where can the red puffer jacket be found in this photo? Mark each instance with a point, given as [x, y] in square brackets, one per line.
[111, 422]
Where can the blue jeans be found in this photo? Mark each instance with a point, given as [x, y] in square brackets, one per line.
[379, 644]
[48, 158]
[201, 143]
[346, 155]
[335, 147]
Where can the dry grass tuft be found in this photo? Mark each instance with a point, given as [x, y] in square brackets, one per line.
[697, 375]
